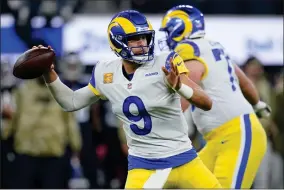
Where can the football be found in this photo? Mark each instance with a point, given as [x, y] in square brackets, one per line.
[33, 63]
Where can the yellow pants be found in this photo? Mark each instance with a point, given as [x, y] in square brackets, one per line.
[235, 150]
[194, 174]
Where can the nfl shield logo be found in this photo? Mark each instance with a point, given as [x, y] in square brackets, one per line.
[129, 86]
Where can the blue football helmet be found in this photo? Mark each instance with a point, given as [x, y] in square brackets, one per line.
[128, 24]
[179, 23]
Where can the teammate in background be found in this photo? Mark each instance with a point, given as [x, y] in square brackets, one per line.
[147, 101]
[236, 141]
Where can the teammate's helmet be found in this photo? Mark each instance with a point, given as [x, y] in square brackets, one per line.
[181, 22]
[128, 24]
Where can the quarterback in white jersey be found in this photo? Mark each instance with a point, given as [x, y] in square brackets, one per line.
[145, 107]
[236, 141]
[145, 93]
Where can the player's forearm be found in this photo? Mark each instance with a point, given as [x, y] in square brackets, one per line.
[50, 76]
[199, 98]
[248, 89]
[71, 100]
[249, 92]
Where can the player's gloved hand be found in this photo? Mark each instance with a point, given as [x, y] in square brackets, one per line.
[172, 76]
[262, 110]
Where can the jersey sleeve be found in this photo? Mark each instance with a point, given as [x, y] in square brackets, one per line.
[93, 85]
[177, 61]
[189, 50]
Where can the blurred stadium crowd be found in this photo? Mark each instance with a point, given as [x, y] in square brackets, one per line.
[44, 147]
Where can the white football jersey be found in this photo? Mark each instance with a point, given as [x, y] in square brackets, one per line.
[151, 112]
[219, 82]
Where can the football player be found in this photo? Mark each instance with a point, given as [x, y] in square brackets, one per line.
[145, 92]
[236, 141]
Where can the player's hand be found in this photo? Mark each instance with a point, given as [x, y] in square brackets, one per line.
[172, 76]
[50, 75]
[262, 110]
[49, 47]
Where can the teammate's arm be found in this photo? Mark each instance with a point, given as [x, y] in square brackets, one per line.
[197, 70]
[247, 87]
[177, 78]
[250, 93]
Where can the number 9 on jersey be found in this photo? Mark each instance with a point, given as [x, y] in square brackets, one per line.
[142, 114]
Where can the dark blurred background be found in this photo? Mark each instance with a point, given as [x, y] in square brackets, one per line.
[43, 147]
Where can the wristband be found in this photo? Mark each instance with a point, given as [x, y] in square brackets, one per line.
[185, 91]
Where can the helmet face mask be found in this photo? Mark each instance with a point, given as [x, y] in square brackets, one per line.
[131, 26]
[179, 23]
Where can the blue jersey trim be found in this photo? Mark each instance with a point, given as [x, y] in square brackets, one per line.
[92, 80]
[135, 162]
